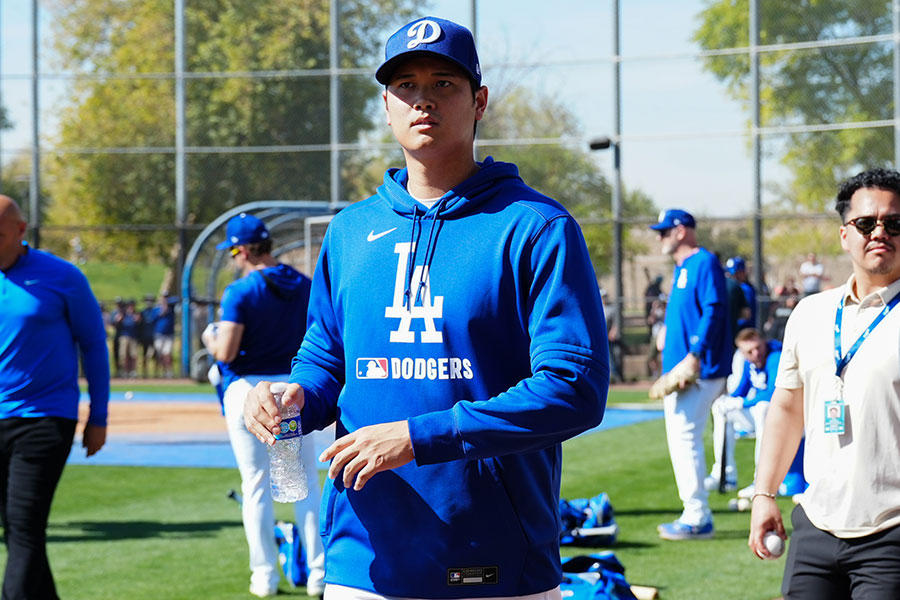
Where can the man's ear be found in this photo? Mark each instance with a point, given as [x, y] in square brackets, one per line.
[481, 100]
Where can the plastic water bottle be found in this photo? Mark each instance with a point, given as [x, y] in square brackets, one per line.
[286, 473]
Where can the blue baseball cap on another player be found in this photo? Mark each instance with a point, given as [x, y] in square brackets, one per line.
[430, 36]
[673, 218]
[243, 229]
[733, 265]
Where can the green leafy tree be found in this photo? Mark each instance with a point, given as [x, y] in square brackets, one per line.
[835, 84]
[133, 106]
[5, 123]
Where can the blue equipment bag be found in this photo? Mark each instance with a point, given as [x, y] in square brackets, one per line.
[587, 522]
[594, 577]
[291, 556]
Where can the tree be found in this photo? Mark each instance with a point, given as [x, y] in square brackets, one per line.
[826, 85]
[5, 123]
[133, 106]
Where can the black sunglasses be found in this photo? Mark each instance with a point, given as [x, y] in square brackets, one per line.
[866, 225]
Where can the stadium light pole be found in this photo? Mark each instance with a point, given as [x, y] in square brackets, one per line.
[604, 143]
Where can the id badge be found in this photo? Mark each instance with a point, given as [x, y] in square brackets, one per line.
[834, 416]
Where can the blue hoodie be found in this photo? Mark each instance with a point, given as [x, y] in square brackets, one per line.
[271, 305]
[479, 322]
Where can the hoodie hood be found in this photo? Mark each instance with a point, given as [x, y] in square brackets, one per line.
[285, 279]
[459, 201]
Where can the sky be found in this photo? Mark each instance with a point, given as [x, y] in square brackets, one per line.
[678, 126]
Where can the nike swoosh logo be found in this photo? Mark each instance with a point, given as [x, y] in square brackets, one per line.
[32, 281]
[374, 236]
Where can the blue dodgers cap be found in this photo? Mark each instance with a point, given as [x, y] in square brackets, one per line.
[243, 229]
[672, 218]
[434, 36]
[735, 264]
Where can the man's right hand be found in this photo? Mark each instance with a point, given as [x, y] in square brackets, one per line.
[261, 415]
[765, 516]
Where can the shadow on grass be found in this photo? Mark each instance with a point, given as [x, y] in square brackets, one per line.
[85, 531]
[643, 512]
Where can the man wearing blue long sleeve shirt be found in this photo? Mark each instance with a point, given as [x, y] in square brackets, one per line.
[49, 316]
[697, 357]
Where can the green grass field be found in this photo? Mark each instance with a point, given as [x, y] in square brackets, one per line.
[162, 533]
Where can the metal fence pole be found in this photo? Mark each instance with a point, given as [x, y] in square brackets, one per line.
[895, 8]
[334, 81]
[617, 174]
[180, 163]
[35, 180]
[759, 279]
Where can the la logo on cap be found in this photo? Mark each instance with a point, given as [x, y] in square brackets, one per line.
[423, 32]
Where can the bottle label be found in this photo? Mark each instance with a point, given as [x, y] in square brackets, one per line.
[290, 428]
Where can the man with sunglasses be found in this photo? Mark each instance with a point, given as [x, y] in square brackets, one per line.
[696, 359]
[263, 322]
[838, 383]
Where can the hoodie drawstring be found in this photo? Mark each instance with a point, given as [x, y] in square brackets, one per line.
[411, 264]
[429, 251]
[408, 300]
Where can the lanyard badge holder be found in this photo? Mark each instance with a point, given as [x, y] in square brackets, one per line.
[835, 410]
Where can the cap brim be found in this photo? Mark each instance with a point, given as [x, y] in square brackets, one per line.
[223, 245]
[661, 226]
[386, 70]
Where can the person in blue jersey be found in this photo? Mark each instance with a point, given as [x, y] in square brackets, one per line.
[837, 388]
[164, 334]
[456, 338]
[696, 359]
[49, 317]
[147, 352]
[737, 267]
[128, 323]
[745, 407]
[263, 321]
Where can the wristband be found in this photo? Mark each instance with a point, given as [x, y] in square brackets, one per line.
[753, 497]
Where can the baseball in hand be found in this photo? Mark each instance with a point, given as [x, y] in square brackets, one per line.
[774, 544]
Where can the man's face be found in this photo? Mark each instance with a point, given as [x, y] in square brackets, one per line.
[669, 240]
[876, 253]
[12, 232]
[430, 108]
[754, 350]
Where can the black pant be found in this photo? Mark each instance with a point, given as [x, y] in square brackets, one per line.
[821, 566]
[33, 453]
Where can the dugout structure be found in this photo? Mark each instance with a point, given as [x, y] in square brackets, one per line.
[297, 228]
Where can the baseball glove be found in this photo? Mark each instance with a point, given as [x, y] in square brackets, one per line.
[679, 378]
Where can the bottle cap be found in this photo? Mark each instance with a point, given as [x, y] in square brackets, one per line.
[278, 387]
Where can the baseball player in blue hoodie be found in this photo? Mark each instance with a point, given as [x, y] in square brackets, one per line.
[263, 321]
[456, 338]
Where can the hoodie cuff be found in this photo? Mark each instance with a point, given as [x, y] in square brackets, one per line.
[435, 438]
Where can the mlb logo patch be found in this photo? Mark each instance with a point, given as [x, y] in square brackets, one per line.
[371, 368]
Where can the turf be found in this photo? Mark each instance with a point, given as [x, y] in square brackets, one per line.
[170, 533]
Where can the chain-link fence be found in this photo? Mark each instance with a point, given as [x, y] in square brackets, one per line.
[129, 126]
